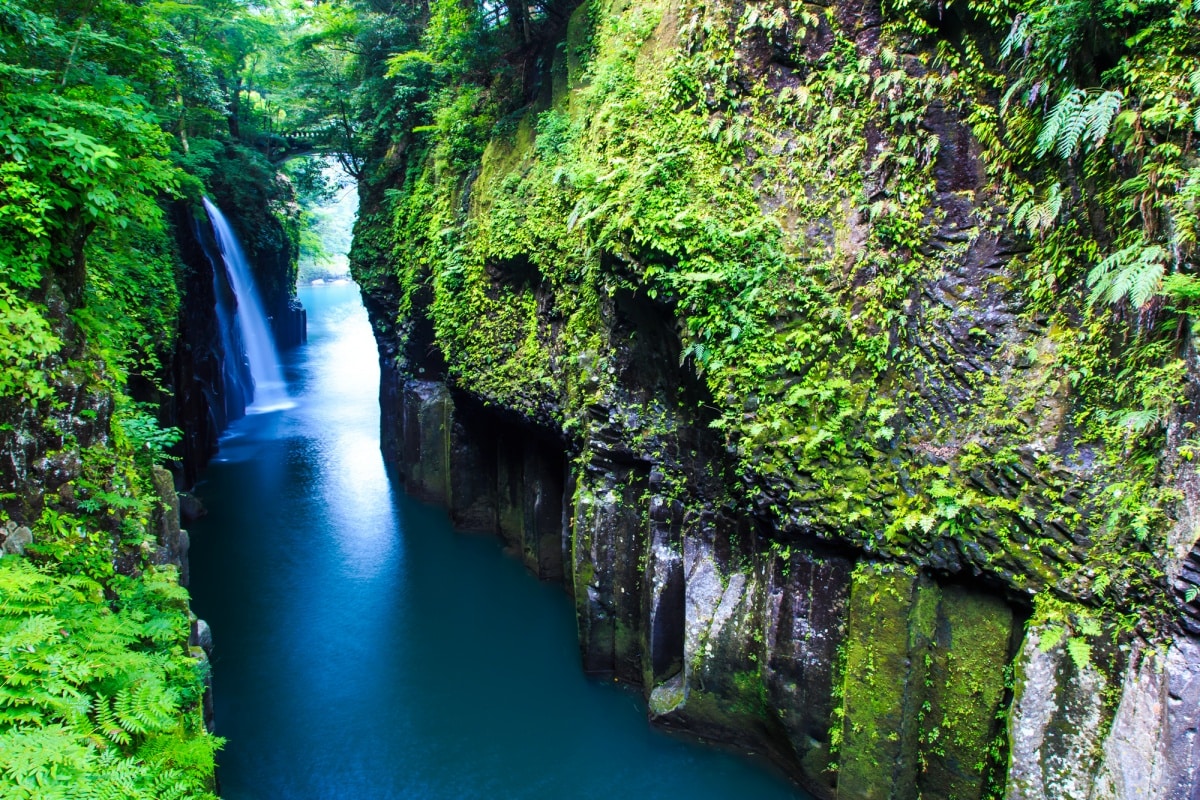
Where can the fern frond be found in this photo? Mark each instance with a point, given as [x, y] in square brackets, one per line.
[1064, 125]
[1072, 127]
[1146, 280]
[1140, 421]
[107, 723]
[1181, 288]
[1080, 651]
[147, 707]
[1134, 273]
[1017, 36]
[1100, 114]
[1037, 218]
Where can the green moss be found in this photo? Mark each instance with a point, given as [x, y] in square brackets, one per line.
[922, 688]
[965, 691]
[795, 227]
[891, 619]
[738, 708]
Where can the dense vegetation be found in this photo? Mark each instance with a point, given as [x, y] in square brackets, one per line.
[110, 111]
[682, 165]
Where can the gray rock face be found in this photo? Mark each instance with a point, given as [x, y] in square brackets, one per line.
[191, 508]
[16, 539]
[200, 646]
[172, 540]
[1153, 749]
[201, 636]
[1067, 742]
[1057, 723]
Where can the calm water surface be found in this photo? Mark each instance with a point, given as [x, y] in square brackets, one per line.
[364, 649]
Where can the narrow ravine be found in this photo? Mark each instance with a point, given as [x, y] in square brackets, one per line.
[364, 649]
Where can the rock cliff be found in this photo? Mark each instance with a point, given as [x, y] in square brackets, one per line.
[737, 319]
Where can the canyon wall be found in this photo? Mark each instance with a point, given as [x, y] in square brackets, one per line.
[732, 324]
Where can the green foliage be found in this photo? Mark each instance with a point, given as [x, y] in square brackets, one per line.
[1079, 117]
[26, 342]
[109, 110]
[1133, 273]
[77, 148]
[98, 698]
[1127, 137]
[145, 435]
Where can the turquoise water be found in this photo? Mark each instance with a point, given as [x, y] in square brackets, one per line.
[364, 649]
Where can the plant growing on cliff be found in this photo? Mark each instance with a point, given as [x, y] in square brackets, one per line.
[101, 103]
[26, 342]
[147, 438]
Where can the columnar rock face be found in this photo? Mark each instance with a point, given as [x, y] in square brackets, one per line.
[730, 328]
[863, 679]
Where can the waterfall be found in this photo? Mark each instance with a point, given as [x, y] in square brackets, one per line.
[234, 391]
[268, 391]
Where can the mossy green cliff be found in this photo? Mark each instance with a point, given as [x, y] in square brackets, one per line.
[858, 339]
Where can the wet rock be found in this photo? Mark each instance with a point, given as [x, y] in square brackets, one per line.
[472, 475]
[426, 423]
[892, 619]
[201, 635]
[172, 541]
[806, 622]
[609, 543]
[1153, 749]
[191, 507]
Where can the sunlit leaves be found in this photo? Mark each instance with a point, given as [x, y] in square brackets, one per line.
[1079, 117]
[26, 342]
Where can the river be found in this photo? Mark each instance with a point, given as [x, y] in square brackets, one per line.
[364, 649]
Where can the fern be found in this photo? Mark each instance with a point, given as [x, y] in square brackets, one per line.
[107, 723]
[1141, 420]
[1018, 36]
[1064, 124]
[146, 707]
[1080, 116]
[86, 681]
[1099, 115]
[1080, 651]
[1039, 217]
[1134, 273]
[1051, 636]
[1181, 288]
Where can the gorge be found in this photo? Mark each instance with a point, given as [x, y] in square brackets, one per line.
[837, 360]
[361, 648]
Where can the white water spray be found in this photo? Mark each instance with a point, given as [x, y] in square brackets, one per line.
[269, 392]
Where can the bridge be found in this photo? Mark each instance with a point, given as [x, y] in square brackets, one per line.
[314, 137]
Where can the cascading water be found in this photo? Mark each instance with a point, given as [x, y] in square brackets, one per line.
[227, 399]
[269, 392]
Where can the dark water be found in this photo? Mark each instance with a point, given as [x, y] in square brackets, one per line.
[364, 649]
